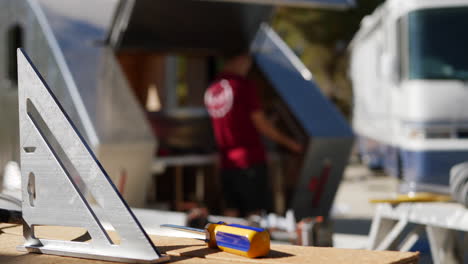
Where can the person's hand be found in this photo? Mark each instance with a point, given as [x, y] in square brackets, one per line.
[295, 147]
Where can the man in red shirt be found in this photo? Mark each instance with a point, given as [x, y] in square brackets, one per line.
[238, 121]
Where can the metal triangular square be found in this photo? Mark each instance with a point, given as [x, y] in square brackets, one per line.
[58, 170]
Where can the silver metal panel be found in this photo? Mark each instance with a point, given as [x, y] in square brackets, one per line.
[340, 4]
[125, 143]
[56, 167]
[329, 138]
[323, 164]
[84, 75]
[41, 43]
[295, 84]
[97, 13]
[9, 133]
[107, 98]
[38, 41]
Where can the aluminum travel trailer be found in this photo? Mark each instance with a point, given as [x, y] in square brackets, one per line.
[103, 64]
[86, 78]
[409, 69]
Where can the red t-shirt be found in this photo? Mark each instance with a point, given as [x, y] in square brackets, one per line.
[230, 101]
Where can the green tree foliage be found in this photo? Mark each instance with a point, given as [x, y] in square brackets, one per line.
[321, 38]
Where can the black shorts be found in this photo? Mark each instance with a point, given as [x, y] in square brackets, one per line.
[247, 189]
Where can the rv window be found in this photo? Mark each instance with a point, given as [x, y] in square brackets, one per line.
[15, 40]
[437, 43]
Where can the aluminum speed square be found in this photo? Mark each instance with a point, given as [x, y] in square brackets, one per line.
[59, 173]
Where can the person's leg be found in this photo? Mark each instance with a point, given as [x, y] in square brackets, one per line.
[230, 193]
[256, 194]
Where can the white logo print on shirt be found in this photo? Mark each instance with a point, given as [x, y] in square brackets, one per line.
[219, 103]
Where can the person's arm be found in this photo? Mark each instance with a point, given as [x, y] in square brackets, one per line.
[266, 128]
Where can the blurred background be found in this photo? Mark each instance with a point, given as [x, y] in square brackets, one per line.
[321, 39]
[375, 92]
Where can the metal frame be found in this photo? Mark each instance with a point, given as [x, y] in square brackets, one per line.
[441, 222]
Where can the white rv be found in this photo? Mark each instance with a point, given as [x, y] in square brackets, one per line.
[409, 68]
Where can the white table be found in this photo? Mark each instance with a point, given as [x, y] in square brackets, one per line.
[441, 221]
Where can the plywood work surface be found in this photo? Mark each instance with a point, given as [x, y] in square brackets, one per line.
[188, 251]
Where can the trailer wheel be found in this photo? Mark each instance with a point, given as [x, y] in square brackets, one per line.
[399, 167]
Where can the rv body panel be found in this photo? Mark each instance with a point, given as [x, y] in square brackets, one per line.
[405, 117]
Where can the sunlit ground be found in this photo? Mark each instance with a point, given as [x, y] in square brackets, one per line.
[353, 213]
